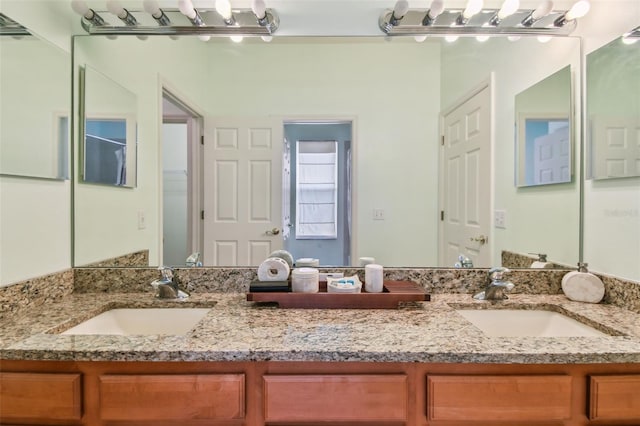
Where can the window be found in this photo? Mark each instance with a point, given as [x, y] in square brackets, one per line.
[316, 189]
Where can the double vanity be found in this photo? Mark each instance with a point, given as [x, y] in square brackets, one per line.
[216, 358]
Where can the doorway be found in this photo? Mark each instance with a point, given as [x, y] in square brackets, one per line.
[181, 130]
[465, 180]
[317, 190]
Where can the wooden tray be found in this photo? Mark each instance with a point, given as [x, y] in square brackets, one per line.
[393, 293]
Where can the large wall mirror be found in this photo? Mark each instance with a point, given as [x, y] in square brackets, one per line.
[34, 140]
[612, 190]
[109, 126]
[392, 93]
[544, 142]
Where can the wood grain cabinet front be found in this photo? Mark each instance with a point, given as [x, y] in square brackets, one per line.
[337, 398]
[42, 398]
[499, 398]
[614, 397]
[178, 397]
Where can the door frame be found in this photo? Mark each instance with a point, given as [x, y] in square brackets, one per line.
[487, 83]
[353, 213]
[194, 186]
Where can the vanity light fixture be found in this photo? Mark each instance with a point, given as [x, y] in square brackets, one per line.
[473, 8]
[509, 7]
[578, 10]
[632, 36]
[9, 27]
[81, 8]
[223, 7]
[218, 19]
[475, 20]
[152, 8]
[437, 6]
[538, 13]
[123, 14]
[397, 14]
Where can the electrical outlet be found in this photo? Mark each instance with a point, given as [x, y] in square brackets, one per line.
[500, 219]
[142, 220]
[378, 214]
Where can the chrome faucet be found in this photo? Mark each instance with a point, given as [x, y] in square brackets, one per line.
[463, 262]
[193, 260]
[497, 287]
[167, 286]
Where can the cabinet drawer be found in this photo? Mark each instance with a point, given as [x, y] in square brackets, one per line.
[40, 396]
[509, 398]
[300, 398]
[614, 397]
[172, 397]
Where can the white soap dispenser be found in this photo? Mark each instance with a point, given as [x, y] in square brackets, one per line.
[583, 286]
[541, 263]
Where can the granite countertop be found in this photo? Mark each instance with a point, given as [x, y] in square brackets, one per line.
[237, 330]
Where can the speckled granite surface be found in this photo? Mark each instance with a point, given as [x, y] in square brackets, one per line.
[35, 292]
[138, 258]
[512, 259]
[236, 330]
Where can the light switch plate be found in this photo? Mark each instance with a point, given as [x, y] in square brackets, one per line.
[500, 219]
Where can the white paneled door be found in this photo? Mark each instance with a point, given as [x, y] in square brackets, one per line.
[242, 190]
[467, 180]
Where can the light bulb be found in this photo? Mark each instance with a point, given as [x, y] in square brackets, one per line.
[451, 38]
[186, 8]
[236, 38]
[542, 10]
[420, 38]
[204, 37]
[513, 38]
[509, 7]
[223, 7]
[267, 39]
[81, 8]
[578, 10]
[473, 7]
[544, 39]
[259, 9]
[400, 9]
[482, 38]
[437, 6]
[152, 8]
[114, 7]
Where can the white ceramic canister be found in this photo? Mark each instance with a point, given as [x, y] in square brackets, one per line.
[373, 278]
[305, 280]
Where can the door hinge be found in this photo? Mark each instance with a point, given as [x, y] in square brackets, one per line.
[201, 139]
[441, 214]
[442, 140]
[201, 214]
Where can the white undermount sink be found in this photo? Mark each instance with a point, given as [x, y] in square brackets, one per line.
[142, 321]
[527, 323]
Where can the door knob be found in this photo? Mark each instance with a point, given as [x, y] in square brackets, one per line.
[481, 239]
[274, 231]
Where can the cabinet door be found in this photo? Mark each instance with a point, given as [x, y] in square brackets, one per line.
[40, 397]
[172, 397]
[506, 398]
[614, 397]
[307, 398]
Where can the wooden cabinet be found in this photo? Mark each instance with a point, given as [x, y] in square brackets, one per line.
[499, 398]
[40, 398]
[347, 397]
[171, 397]
[614, 397]
[313, 393]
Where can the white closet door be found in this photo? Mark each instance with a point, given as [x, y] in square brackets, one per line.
[242, 190]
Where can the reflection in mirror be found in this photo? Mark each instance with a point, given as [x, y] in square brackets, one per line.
[109, 131]
[34, 108]
[544, 140]
[395, 144]
[613, 109]
[612, 194]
